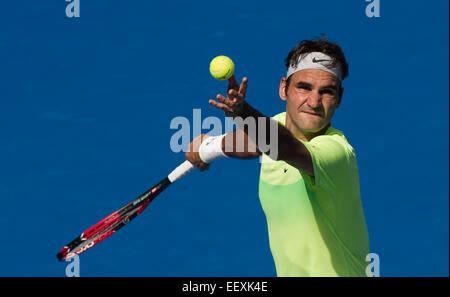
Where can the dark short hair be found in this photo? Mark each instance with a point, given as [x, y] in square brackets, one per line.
[317, 45]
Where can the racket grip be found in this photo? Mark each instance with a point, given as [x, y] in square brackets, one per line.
[180, 171]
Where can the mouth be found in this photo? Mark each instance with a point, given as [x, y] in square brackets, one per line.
[312, 113]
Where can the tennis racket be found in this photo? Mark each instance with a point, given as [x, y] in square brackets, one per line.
[121, 217]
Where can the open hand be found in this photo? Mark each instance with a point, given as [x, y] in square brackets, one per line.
[233, 104]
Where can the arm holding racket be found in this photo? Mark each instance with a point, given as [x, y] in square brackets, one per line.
[235, 144]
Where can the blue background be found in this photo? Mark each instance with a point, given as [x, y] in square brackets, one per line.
[86, 106]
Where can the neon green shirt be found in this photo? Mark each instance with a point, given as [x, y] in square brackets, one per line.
[316, 225]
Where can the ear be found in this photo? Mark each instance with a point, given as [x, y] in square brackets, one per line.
[282, 90]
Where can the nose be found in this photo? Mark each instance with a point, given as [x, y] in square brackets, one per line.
[314, 99]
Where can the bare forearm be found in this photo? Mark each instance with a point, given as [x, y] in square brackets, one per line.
[287, 147]
[237, 144]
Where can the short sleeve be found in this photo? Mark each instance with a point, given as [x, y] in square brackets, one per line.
[333, 161]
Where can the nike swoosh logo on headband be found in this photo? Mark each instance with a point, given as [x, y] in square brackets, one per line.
[318, 61]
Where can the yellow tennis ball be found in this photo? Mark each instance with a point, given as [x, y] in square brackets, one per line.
[221, 67]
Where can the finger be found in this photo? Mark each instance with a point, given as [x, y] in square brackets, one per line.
[243, 87]
[236, 98]
[232, 83]
[203, 166]
[220, 106]
[198, 162]
[199, 167]
[224, 100]
[233, 97]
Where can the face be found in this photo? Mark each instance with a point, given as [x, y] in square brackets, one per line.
[311, 99]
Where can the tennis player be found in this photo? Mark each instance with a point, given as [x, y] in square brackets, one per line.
[310, 191]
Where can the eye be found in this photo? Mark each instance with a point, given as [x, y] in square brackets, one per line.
[304, 87]
[328, 92]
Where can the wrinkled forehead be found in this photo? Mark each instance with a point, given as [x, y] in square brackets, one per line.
[315, 77]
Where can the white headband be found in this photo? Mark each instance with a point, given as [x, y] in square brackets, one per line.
[316, 60]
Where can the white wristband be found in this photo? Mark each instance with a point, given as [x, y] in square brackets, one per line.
[211, 149]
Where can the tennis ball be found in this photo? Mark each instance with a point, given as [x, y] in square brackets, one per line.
[221, 67]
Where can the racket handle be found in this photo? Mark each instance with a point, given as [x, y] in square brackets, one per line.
[180, 171]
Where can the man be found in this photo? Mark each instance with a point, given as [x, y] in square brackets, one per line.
[310, 191]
